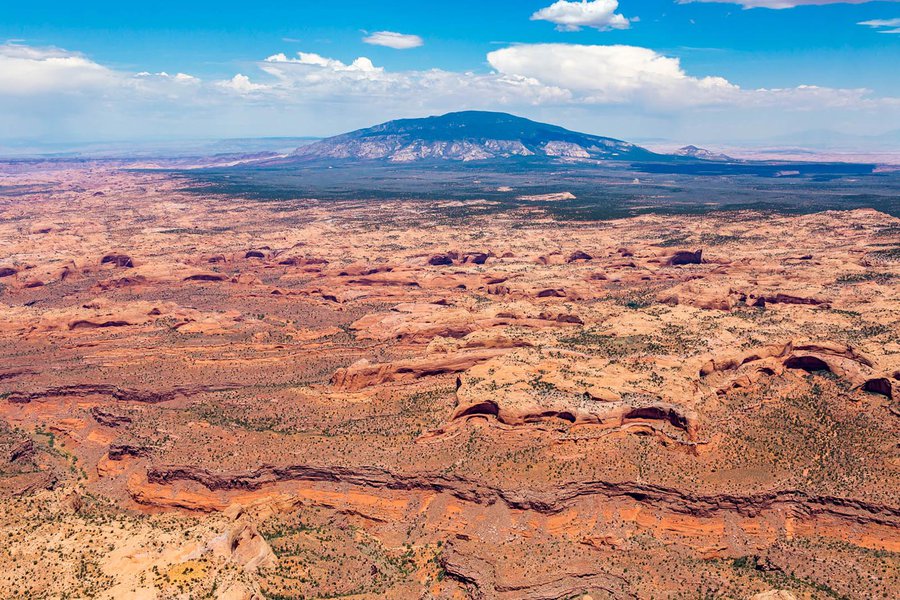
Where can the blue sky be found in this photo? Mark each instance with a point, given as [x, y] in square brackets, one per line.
[634, 68]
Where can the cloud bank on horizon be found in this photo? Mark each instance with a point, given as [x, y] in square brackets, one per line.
[782, 4]
[521, 76]
[52, 92]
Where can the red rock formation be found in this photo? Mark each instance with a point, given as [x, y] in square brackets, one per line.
[685, 257]
[364, 374]
[579, 255]
[439, 260]
[117, 260]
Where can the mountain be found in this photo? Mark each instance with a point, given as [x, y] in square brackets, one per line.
[702, 154]
[468, 136]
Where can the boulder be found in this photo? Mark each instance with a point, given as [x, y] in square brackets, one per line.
[117, 260]
[579, 255]
[685, 257]
[440, 260]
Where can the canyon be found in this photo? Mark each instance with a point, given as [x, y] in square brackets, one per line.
[218, 395]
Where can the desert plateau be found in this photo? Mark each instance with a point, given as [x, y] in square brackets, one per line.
[532, 300]
[209, 396]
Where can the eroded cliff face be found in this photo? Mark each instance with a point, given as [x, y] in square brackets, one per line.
[217, 397]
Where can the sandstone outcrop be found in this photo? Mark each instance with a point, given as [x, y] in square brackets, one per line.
[242, 544]
[284, 399]
[364, 374]
[117, 260]
[685, 257]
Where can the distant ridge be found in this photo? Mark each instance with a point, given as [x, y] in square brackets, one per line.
[469, 136]
[702, 154]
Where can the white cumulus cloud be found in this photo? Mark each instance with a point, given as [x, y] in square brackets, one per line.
[641, 77]
[534, 74]
[317, 77]
[392, 39]
[52, 92]
[241, 84]
[313, 75]
[28, 70]
[360, 65]
[612, 74]
[572, 16]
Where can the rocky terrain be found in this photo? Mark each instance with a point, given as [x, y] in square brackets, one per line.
[216, 396]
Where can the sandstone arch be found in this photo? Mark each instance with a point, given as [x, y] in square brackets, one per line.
[880, 385]
[486, 408]
[808, 363]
